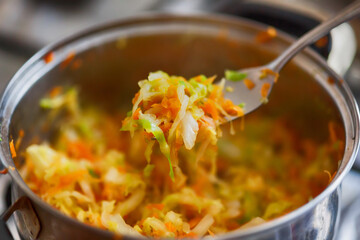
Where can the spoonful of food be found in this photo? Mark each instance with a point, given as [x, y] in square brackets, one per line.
[252, 86]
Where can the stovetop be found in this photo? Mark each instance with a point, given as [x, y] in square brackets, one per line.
[28, 25]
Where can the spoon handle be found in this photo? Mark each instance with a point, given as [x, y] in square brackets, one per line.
[321, 30]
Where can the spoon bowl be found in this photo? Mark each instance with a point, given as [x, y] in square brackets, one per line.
[252, 91]
[255, 84]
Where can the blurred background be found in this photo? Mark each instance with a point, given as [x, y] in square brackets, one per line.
[28, 25]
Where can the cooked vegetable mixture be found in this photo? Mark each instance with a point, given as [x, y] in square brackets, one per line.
[175, 111]
[120, 181]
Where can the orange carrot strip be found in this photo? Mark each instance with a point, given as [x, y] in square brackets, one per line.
[248, 83]
[79, 150]
[12, 149]
[198, 78]
[71, 178]
[265, 89]
[232, 109]
[216, 92]
[135, 97]
[170, 227]
[271, 32]
[267, 71]
[172, 92]
[55, 91]
[67, 60]
[210, 108]
[331, 177]
[49, 57]
[266, 36]
[211, 79]
[20, 138]
[4, 171]
[158, 206]
[136, 114]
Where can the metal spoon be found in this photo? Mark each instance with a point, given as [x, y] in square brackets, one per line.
[264, 77]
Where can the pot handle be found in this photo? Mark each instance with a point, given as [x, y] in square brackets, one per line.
[31, 221]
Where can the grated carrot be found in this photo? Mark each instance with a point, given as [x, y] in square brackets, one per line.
[266, 36]
[71, 178]
[49, 57]
[216, 92]
[265, 89]
[12, 149]
[20, 138]
[4, 171]
[265, 72]
[135, 97]
[248, 83]
[158, 206]
[328, 173]
[210, 79]
[67, 60]
[211, 109]
[136, 114]
[232, 109]
[271, 32]
[80, 150]
[331, 177]
[170, 226]
[55, 91]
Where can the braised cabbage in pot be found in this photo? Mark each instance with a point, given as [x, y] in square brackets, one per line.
[169, 176]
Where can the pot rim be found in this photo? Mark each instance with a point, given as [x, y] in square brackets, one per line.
[7, 108]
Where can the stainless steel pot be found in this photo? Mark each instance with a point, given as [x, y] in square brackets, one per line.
[111, 59]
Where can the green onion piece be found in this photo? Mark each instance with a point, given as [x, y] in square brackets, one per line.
[242, 105]
[235, 76]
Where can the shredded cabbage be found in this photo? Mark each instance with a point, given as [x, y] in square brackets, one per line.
[174, 110]
[120, 182]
